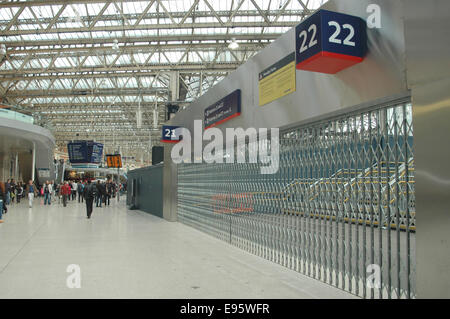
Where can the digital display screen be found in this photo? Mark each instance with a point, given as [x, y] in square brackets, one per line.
[85, 152]
[114, 160]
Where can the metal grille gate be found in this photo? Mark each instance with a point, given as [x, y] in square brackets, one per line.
[340, 207]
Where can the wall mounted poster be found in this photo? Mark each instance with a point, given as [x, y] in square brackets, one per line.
[277, 80]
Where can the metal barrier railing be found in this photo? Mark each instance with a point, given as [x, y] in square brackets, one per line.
[341, 204]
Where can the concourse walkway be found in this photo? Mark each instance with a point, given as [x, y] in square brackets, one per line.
[131, 254]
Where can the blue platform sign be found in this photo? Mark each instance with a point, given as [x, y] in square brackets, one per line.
[170, 134]
[329, 42]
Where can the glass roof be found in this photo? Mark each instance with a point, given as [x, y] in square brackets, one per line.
[93, 58]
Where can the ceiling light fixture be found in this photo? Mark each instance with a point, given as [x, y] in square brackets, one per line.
[116, 44]
[233, 44]
[75, 17]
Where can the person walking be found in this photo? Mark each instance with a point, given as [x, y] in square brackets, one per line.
[103, 190]
[70, 183]
[2, 201]
[19, 189]
[7, 193]
[65, 192]
[80, 187]
[54, 186]
[12, 190]
[89, 194]
[108, 193]
[114, 189]
[47, 193]
[74, 190]
[58, 192]
[41, 191]
[98, 197]
[31, 192]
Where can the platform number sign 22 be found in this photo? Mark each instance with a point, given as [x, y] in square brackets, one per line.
[329, 42]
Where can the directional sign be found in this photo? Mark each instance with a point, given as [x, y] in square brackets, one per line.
[223, 110]
[329, 42]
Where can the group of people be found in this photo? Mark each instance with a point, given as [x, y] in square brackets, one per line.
[104, 192]
[69, 190]
[100, 192]
[15, 191]
[12, 191]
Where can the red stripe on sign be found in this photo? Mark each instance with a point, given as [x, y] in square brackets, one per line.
[300, 65]
[224, 120]
[328, 62]
[167, 141]
[343, 56]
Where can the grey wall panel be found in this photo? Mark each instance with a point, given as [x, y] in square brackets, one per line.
[432, 131]
[149, 194]
[427, 34]
[170, 186]
[427, 25]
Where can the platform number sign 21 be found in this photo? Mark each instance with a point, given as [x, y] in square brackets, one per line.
[329, 42]
[170, 134]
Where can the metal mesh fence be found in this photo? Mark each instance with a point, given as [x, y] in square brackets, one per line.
[340, 208]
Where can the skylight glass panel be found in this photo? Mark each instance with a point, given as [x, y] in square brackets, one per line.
[11, 39]
[8, 13]
[26, 14]
[37, 64]
[206, 20]
[149, 21]
[123, 60]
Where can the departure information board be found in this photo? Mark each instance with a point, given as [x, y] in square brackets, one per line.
[113, 160]
[96, 151]
[78, 152]
[85, 152]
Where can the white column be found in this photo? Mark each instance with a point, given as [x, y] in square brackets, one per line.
[16, 168]
[201, 84]
[33, 164]
[174, 85]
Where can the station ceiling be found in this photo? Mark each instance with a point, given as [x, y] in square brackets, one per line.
[86, 68]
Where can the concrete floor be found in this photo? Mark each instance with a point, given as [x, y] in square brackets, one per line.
[131, 254]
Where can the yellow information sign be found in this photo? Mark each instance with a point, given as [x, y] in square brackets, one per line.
[114, 161]
[277, 80]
